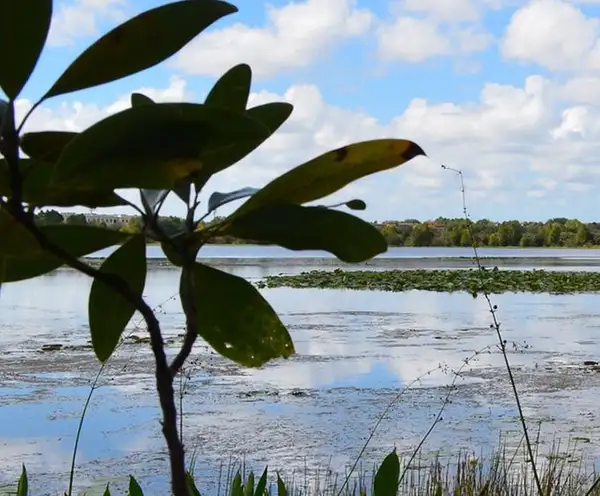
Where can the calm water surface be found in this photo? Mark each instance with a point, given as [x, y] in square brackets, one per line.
[355, 352]
[276, 252]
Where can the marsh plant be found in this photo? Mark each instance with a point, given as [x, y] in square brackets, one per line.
[162, 149]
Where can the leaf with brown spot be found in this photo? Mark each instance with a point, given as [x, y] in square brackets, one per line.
[140, 43]
[331, 171]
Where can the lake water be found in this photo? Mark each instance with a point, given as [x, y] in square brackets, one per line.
[355, 352]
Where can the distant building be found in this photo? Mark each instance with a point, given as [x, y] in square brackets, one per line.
[108, 220]
[105, 219]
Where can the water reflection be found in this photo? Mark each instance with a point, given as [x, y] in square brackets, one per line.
[355, 351]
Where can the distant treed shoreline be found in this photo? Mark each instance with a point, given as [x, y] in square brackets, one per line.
[558, 232]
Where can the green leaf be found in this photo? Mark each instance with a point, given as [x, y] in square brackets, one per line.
[138, 99]
[236, 320]
[356, 205]
[3, 109]
[107, 490]
[134, 487]
[387, 476]
[24, 26]
[295, 227]
[262, 484]
[109, 311]
[22, 487]
[155, 146]
[140, 43]
[191, 484]
[183, 191]
[332, 171]
[270, 115]
[46, 146]
[249, 486]
[22, 258]
[38, 192]
[281, 489]
[236, 486]
[152, 199]
[218, 199]
[232, 89]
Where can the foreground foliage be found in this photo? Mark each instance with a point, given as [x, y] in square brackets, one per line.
[471, 280]
[502, 473]
[155, 150]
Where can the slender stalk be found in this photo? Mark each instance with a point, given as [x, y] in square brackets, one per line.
[496, 327]
[80, 427]
[395, 400]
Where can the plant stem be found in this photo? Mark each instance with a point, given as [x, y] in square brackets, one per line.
[496, 327]
[164, 379]
[80, 427]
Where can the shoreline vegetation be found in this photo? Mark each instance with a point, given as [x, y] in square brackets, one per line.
[441, 232]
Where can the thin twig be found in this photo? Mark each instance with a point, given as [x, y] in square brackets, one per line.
[496, 326]
[393, 402]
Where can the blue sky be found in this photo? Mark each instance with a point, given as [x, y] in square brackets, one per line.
[507, 91]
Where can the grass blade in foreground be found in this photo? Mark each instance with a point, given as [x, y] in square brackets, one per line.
[134, 487]
[386, 479]
[22, 487]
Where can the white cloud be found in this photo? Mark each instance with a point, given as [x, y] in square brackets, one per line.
[294, 36]
[554, 34]
[448, 10]
[422, 29]
[80, 18]
[412, 40]
[512, 141]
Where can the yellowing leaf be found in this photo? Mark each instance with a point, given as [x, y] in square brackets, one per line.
[332, 171]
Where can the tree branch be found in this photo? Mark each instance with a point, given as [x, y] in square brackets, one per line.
[164, 378]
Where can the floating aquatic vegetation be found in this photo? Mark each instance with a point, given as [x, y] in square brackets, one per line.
[470, 280]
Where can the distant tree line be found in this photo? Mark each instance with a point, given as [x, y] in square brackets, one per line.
[558, 232]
